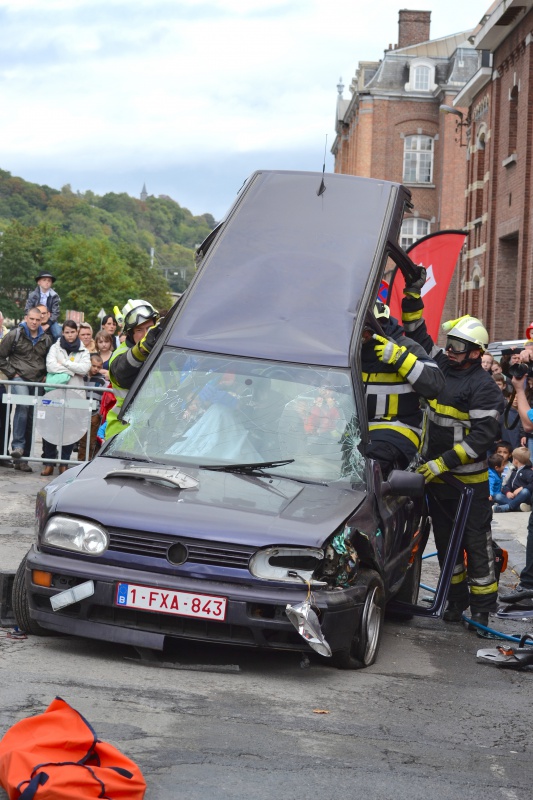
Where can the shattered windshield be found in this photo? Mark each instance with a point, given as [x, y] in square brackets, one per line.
[208, 410]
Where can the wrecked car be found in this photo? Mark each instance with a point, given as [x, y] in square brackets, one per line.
[237, 505]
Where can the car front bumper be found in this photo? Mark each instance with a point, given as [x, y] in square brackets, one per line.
[255, 614]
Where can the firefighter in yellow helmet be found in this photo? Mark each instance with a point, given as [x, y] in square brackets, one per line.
[139, 319]
[462, 426]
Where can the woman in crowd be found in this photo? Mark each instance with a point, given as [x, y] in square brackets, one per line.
[109, 325]
[68, 355]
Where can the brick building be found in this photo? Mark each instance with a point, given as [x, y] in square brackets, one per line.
[392, 128]
[496, 275]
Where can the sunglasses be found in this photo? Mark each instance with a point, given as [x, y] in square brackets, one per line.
[456, 345]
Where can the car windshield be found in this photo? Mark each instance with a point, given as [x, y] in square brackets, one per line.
[212, 410]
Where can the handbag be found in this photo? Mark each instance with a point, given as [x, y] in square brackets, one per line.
[55, 379]
[57, 755]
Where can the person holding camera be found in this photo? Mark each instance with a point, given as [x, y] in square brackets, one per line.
[524, 590]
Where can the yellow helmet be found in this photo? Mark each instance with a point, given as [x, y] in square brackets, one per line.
[470, 330]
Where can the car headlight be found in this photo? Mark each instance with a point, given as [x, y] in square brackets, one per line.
[79, 535]
[290, 564]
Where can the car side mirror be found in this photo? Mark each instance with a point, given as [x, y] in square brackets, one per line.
[404, 484]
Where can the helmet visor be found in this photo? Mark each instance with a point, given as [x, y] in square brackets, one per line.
[457, 345]
[138, 315]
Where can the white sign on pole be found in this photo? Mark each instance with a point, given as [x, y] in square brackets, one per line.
[101, 314]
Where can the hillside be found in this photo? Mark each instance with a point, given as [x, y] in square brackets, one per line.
[71, 233]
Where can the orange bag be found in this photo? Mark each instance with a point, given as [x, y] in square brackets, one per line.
[58, 756]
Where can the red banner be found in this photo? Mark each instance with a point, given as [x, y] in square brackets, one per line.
[438, 253]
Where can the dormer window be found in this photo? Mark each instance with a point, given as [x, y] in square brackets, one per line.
[421, 81]
[421, 76]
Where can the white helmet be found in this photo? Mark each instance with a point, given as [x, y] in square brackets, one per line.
[135, 312]
[471, 331]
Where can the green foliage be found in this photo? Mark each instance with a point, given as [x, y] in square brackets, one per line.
[23, 255]
[97, 247]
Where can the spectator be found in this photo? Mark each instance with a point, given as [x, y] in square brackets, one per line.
[524, 590]
[505, 449]
[68, 355]
[93, 378]
[44, 295]
[104, 347]
[495, 474]
[3, 329]
[45, 319]
[517, 490]
[487, 361]
[4, 416]
[23, 359]
[109, 325]
[86, 335]
[510, 357]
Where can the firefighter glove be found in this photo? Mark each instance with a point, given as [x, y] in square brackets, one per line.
[147, 342]
[431, 469]
[415, 287]
[387, 351]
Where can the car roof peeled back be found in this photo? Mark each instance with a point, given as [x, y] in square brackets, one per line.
[290, 270]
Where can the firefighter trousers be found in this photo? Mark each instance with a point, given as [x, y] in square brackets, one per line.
[475, 583]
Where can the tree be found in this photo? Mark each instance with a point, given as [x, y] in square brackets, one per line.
[21, 258]
[152, 285]
[90, 275]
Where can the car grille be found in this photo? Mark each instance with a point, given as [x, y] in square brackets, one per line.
[156, 545]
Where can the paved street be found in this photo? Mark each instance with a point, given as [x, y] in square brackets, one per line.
[425, 721]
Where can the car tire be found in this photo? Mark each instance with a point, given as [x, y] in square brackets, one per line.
[20, 604]
[364, 647]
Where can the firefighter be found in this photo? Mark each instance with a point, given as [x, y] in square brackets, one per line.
[141, 329]
[396, 373]
[462, 426]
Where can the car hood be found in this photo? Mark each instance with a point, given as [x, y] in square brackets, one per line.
[224, 507]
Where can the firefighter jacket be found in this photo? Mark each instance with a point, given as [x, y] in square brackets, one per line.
[124, 366]
[393, 391]
[463, 419]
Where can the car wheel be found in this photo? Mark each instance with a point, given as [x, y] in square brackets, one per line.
[21, 607]
[364, 647]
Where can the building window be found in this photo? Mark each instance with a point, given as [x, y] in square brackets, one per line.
[418, 159]
[513, 119]
[421, 79]
[412, 230]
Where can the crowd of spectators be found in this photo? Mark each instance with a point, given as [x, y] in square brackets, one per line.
[41, 350]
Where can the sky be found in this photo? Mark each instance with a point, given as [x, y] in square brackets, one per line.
[187, 96]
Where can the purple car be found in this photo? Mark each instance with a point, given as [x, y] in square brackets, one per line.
[237, 505]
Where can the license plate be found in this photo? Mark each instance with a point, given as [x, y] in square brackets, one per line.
[166, 601]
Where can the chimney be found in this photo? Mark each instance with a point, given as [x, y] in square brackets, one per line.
[413, 27]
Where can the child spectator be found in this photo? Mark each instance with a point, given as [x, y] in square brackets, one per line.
[495, 475]
[516, 492]
[44, 295]
[505, 449]
[93, 378]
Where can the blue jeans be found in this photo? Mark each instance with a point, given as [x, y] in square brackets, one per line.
[21, 415]
[513, 503]
[55, 331]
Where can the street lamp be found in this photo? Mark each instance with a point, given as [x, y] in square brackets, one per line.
[459, 124]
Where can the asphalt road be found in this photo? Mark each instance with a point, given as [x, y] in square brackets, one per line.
[426, 721]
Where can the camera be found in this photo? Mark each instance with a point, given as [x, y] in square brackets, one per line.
[521, 370]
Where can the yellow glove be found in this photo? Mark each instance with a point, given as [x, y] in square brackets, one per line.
[431, 469]
[387, 351]
[447, 326]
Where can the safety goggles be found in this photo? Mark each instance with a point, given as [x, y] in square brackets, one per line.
[139, 315]
[457, 345]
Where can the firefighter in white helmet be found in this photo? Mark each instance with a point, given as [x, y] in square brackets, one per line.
[139, 320]
[462, 426]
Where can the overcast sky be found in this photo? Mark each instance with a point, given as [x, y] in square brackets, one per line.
[190, 96]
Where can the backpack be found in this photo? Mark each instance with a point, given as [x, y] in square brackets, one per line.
[58, 756]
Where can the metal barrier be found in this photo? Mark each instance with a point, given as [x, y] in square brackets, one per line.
[61, 415]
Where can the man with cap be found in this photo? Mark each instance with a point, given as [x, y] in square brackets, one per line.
[44, 295]
[139, 320]
[462, 426]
